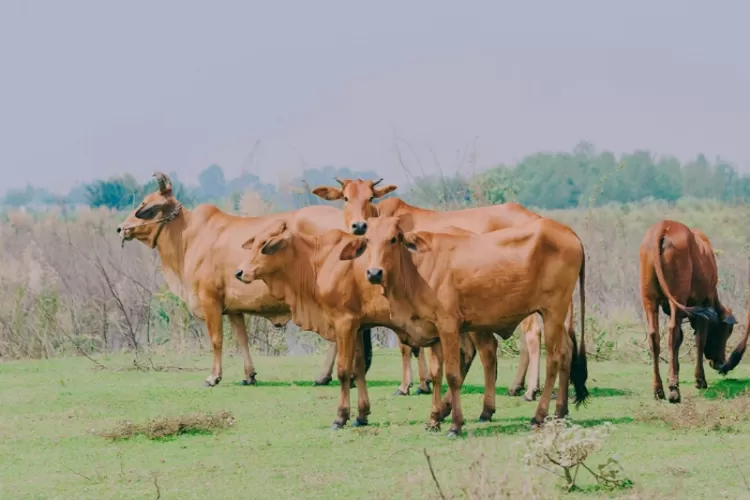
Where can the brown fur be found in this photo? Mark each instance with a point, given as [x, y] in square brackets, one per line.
[359, 197]
[199, 251]
[482, 283]
[679, 274]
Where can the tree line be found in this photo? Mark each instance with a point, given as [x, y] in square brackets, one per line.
[548, 180]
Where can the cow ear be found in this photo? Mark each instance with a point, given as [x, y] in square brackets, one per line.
[328, 193]
[353, 249]
[275, 244]
[416, 242]
[380, 192]
[248, 245]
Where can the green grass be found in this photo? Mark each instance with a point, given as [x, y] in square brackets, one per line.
[281, 445]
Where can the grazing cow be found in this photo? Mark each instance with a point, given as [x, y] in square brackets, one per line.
[484, 283]
[359, 195]
[327, 292]
[199, 252]
[679, 273]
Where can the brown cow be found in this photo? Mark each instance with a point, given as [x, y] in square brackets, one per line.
[199, 251]
[485, 283]
[679, 273]
[331, 296]
[359, 195]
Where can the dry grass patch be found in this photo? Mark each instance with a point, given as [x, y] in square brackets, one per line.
[165, 427]
[720, 414]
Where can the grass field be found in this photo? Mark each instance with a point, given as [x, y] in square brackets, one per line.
[281, 445]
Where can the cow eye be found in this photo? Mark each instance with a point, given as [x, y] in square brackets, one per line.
[393, 240]
[371, 198]
[346, 199]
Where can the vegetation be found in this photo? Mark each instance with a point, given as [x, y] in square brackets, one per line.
[118, 347]
[281, 445]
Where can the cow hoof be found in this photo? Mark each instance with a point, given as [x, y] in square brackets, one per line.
[535, 424]
[359, 422]
[659, 394]
[674, 396]
[485, 417]
[432, 426]
[452, 434]
[399, 392]
[250, 380]
[322, 381]
[515, 391]
[209, 383]
[422, 391]
[701, 384]
[529, 397]
[337, 426]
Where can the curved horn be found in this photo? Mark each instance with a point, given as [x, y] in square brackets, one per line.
[377, 182]
[338, 180]
[165, 185]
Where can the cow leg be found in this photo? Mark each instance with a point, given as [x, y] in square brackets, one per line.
[406, 375]
[468, 353]
[674, 331]
[559, 356]
[436, 372]
[346, 340]
[360, 369]
[523, 365]
[533, 346]
[239, 331]
[424, 380]
[450, 342]
[652, 318]
[700, 344]
[486, 344]
[326, 376]
[212, 312]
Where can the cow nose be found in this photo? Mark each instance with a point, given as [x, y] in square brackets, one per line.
[119, 229]
[375, 276]
[359, 228]
[238, 274]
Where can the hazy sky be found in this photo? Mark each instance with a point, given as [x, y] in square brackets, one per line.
[93, 88]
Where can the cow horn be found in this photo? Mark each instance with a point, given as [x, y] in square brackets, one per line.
[338, 180]
[377, 182]
[165, 185]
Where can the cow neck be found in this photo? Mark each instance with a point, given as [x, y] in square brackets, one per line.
[173, 242]
[410, 282]
[299, 278]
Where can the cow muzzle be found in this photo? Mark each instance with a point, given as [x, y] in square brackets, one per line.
[245, 277]
[375, 276]
[359, 228]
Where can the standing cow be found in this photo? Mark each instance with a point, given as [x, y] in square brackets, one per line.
[488, 282]
[199, 251]
[679, 274]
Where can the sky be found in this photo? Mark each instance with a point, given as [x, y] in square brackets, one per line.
[91, 89]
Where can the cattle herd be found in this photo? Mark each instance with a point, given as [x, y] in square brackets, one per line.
[445, 281]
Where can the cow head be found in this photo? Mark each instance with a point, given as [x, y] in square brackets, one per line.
[156, 209]
[717, 335]
[265, 252]
[358, 196]
[385, 241]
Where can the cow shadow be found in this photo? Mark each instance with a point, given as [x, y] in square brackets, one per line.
[727, 388]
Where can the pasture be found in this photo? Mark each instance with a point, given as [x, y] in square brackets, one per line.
[281, 445]
[71, 299]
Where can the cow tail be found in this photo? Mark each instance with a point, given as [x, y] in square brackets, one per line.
[739, 350]
[578, 367]
[708, 313]
[367, 346]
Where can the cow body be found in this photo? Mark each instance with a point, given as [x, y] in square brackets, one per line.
[199, 251]
[482, 283]
[359, 195]
[680, 276]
